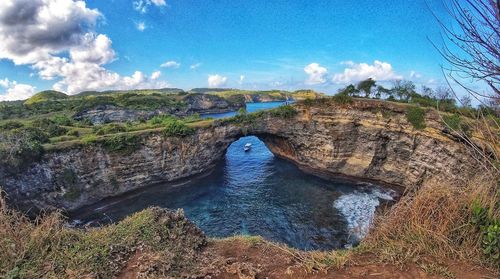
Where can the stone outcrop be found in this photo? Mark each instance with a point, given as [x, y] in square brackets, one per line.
[194, 103]
[367, 139]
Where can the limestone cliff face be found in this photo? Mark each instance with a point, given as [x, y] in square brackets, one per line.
[369, 140]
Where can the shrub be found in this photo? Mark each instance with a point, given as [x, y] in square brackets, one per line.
[416, 116]
[161, 119]
[10, 125]
[342, 98]
[21, 147]
[89, 139]
[177, 128]
[490, 230]
[62, 120]
[111, 128]
[50, 127]
[286, 111]
[455, 123]
[73, 132]
[124, 143]
[308, 102]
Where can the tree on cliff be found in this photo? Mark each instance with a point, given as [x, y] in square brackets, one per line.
[471, 46]
[366, 86]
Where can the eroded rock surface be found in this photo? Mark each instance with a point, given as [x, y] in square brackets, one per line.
[367, 139]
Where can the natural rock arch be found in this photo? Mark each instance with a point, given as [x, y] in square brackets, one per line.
[357, 140]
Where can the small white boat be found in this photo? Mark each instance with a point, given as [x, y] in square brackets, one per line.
[247, 147]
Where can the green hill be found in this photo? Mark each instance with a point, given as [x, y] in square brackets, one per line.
[48, 95]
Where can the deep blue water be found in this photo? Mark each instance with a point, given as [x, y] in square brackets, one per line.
[251, 107]
[256, 193]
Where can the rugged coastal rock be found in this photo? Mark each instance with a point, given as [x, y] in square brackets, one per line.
[194, 103]
[367, 139]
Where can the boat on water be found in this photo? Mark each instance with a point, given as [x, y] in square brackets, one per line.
[247, 147]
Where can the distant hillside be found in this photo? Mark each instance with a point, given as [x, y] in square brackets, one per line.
[137, 91]
[209, 90]
[48, 95]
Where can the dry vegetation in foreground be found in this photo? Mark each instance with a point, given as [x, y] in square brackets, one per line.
[433, 231]
[438, 223]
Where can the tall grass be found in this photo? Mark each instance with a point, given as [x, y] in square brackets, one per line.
[437, 221]
[46, 248]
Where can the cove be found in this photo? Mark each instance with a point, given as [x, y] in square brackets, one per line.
[256, 193]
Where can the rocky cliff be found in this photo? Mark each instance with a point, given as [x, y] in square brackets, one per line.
[193, 103]
[366, 139]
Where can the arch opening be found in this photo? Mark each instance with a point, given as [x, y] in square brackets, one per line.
[258, 193]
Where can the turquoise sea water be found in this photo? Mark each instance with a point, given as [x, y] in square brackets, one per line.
[255, 193]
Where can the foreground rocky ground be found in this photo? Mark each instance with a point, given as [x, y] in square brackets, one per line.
[252, 257]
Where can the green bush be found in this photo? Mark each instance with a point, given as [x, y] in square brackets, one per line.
[111, 128]
[62, 120]
[455, 123]
[490, 231]
[416, 116]
[10, 125]
[124, 143]
[50, 127]
[342, 98]
[73, 132]
[21, 147]
[286, 111]
[177, 128]
[89, 139]
[161, 119]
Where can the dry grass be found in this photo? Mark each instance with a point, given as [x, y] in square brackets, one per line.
[435, 222]
[46, 248]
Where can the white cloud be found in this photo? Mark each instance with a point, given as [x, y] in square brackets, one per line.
[159, 2]
[37, 32]
[31, 30]
[216, 80]
[141, 26]
[155, 75]
[15, 91]
[171, 64]
[195, 66]
[242, 78]
[317, 74]
[143, 5]
[380, 71]
[414, 74]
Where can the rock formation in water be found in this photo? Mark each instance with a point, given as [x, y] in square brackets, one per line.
[366, 139]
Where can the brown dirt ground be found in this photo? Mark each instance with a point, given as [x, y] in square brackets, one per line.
[237, 258]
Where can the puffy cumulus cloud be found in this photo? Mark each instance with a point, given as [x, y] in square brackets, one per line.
[216, 80]
[30, 30]
[143, 5]
[36, 32]
[14, 90]
[380, 71]
[171, 64]
[155, 75]
[316, 73]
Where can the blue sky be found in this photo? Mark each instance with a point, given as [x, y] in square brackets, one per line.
[119, 44]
